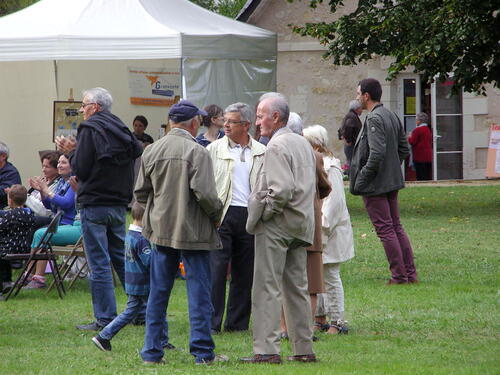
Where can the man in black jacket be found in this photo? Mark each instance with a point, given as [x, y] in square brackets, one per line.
[351, 125]
[102, 158]
[375, 173]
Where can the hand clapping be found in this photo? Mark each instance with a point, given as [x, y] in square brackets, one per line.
[65, 144]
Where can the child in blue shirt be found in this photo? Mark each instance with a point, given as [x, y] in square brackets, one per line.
[137, 260]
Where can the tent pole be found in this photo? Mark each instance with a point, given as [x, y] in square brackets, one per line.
[183, 82]
[56, 80]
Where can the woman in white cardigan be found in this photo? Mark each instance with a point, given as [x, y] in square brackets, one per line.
[338, 245]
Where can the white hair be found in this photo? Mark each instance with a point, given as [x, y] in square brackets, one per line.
[295, 123]
[317, 136]
[353, 105]
[272, 94]
[100, 96]
[4, 149]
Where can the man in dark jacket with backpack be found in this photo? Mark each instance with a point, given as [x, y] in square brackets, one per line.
[102, 158]
[375, 173]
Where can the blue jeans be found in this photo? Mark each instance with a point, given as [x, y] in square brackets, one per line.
[164, 265]
[133, 309]
[103, 229]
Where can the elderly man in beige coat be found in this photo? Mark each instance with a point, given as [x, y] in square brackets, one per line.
[176, 184]
[281, 216]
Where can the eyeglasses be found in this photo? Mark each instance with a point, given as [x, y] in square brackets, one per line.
[86, 104]
[231, 122]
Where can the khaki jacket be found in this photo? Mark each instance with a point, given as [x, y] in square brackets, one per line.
[176, 184]
[285, 189]
[223, 167]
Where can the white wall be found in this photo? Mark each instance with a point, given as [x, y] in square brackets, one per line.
[29, 89]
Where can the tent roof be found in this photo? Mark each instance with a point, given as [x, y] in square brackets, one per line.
[127, 29]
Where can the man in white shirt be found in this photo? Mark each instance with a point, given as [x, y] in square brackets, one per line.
[237, 159]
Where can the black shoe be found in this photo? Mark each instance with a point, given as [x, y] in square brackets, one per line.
[168, 346]
[94, 326]
[103, 344]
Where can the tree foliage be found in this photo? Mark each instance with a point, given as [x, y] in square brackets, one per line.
[11, 6]
[228, 8]
[435, 37]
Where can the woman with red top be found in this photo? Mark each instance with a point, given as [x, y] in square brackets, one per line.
[420, 140]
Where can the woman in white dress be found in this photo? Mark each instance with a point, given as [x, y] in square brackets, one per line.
[338, 245]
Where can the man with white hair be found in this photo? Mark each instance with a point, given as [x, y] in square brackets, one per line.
[8, 174]
[236, 159]
[351, 125]
[102, 158]
[281, 216]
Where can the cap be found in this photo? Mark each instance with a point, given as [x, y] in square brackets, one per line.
[184, 110]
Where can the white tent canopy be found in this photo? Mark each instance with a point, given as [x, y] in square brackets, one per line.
[128, 29]
[57, 45]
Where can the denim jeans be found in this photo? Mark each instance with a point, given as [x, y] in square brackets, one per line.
[164, 265]
[133, 309]
[103, 229]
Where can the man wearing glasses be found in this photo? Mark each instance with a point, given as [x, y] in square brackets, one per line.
[236, 159]
[102, 158]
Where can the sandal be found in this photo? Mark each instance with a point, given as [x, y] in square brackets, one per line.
[340, 326]
[320, 327]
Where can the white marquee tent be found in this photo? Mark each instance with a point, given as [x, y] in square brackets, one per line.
[55, 45]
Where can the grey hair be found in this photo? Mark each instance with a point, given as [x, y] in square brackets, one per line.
[4, 149]
[271, 94]
[100, 96]
[422, 117]
[277, 103]
[295, 123]
[317, 136]
[246, 113]
[353, 105]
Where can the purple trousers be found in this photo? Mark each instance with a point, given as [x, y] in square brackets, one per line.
[384, 214]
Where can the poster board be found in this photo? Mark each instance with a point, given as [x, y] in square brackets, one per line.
[66, 118]
[493, 160]
[154, 86]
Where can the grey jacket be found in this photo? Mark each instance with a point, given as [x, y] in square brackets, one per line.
[176, 184]
[285, 189]
[379, 150]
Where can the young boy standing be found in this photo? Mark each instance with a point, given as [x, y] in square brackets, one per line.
[137, 260]
[16, 226]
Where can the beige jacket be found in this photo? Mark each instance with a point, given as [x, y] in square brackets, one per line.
[176, 184]
[223, 167]
[285, 188]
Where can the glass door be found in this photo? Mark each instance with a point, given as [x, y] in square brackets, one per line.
[409, 106]
[447, 131]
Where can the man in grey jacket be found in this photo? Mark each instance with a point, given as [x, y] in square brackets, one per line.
[375, 173]
[281, 216]
[176, 184]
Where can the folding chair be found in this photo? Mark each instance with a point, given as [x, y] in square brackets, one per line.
[43, 251]
[72, 253]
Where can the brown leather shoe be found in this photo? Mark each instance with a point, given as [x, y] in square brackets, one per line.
[262, 358]
[302, 358]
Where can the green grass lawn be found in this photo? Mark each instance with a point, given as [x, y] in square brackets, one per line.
[447, 324]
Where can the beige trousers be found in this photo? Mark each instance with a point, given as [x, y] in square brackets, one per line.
[280, 278]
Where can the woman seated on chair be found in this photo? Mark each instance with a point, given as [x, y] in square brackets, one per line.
[50, 175]
[62, 198]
